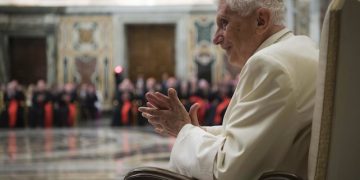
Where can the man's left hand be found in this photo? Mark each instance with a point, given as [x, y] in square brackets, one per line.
[166, 113]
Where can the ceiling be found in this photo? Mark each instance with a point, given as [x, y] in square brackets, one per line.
[104, 2]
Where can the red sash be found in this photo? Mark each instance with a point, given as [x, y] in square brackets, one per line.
[12, 110]
[72, 114]
[219, 109]
[202, 108]
[48, 116]
[125, 112]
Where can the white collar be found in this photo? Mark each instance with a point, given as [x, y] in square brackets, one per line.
[275, 38]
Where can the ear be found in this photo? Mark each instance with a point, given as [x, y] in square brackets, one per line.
[263, 17]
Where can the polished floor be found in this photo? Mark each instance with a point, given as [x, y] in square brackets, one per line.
[82, 153]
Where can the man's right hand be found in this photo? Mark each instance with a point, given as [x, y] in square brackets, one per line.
[162, 102]
[172, 104]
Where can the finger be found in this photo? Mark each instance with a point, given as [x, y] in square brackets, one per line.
[164, 100]
[148, 104]
[151, 111]
[193, 114]
[161, 131]
[152, 119]
[158, 130]
[175, 101]
[162, 97]
[155, 122]
[157, 126]
[150, 98]
[146, 115]
[155, 101]
[170, 132]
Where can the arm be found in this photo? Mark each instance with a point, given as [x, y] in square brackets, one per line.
[256, 133]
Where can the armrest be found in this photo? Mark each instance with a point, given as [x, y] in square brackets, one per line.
[279, 175]
[153, 173]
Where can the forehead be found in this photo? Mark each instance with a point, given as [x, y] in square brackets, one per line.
[224, 9]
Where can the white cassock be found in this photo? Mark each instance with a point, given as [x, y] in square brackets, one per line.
[267, 124]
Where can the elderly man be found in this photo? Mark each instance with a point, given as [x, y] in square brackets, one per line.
[267, 124]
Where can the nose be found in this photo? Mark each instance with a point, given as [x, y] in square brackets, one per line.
[218, 38]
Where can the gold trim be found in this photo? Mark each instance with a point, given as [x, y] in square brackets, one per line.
[329, 95]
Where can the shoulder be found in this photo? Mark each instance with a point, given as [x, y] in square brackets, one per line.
[292, 55]
[298, 47]
[262, 74]
[263, 64]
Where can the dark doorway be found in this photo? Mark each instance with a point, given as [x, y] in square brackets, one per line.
[151, 50]
[27, 59]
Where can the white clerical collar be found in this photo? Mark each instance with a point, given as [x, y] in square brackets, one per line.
[284, 33]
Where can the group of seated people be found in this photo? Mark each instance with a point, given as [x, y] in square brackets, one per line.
[38, 106]
[213, 99]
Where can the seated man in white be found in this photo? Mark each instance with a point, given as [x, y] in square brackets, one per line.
[267, 124]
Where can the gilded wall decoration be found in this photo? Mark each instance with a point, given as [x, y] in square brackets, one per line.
[86, 66]
[204, 29]
[86, 36]
[207, 59]
[86, 53]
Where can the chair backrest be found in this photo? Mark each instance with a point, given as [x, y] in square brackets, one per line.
[335, 140]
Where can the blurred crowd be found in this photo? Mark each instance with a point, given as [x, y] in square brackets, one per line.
[42, 106]
[65, 106]
[212, 98]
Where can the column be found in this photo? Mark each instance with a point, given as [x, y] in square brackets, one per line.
[315, 20]
[289, 14]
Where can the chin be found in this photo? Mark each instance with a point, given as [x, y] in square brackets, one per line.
[233, 60]
[236, 61]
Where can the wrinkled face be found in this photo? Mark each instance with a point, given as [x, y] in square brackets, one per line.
[235, 34]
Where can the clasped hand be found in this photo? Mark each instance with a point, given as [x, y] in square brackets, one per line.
[167, 114]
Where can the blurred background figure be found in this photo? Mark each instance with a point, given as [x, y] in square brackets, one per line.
[82, 92]
[91, 101]
[41, 114]
[2, 91]
[122, 114]
[59, 106]
[12, 115]
[69, 98]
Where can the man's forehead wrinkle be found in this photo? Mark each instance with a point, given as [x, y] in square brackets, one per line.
[229, 12]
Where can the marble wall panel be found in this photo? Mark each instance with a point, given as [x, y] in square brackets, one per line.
[85, 53]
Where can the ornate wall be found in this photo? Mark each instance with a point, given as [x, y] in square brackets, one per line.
[208, 61]
[86, 43]
[202, 53]
[28, 25]
[85, 52]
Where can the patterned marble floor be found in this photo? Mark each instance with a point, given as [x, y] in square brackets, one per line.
[92, 153]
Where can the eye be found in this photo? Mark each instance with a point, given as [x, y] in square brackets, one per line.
[224, 23]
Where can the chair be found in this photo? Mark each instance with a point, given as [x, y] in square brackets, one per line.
[153, 173]
[334, 148]
[334, 145]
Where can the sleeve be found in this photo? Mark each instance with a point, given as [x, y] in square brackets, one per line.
[194, 152]
[215, 130]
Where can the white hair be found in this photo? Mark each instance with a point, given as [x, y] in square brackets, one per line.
[245, 7]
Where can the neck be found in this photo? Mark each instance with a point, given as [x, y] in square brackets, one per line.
[274, 30]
